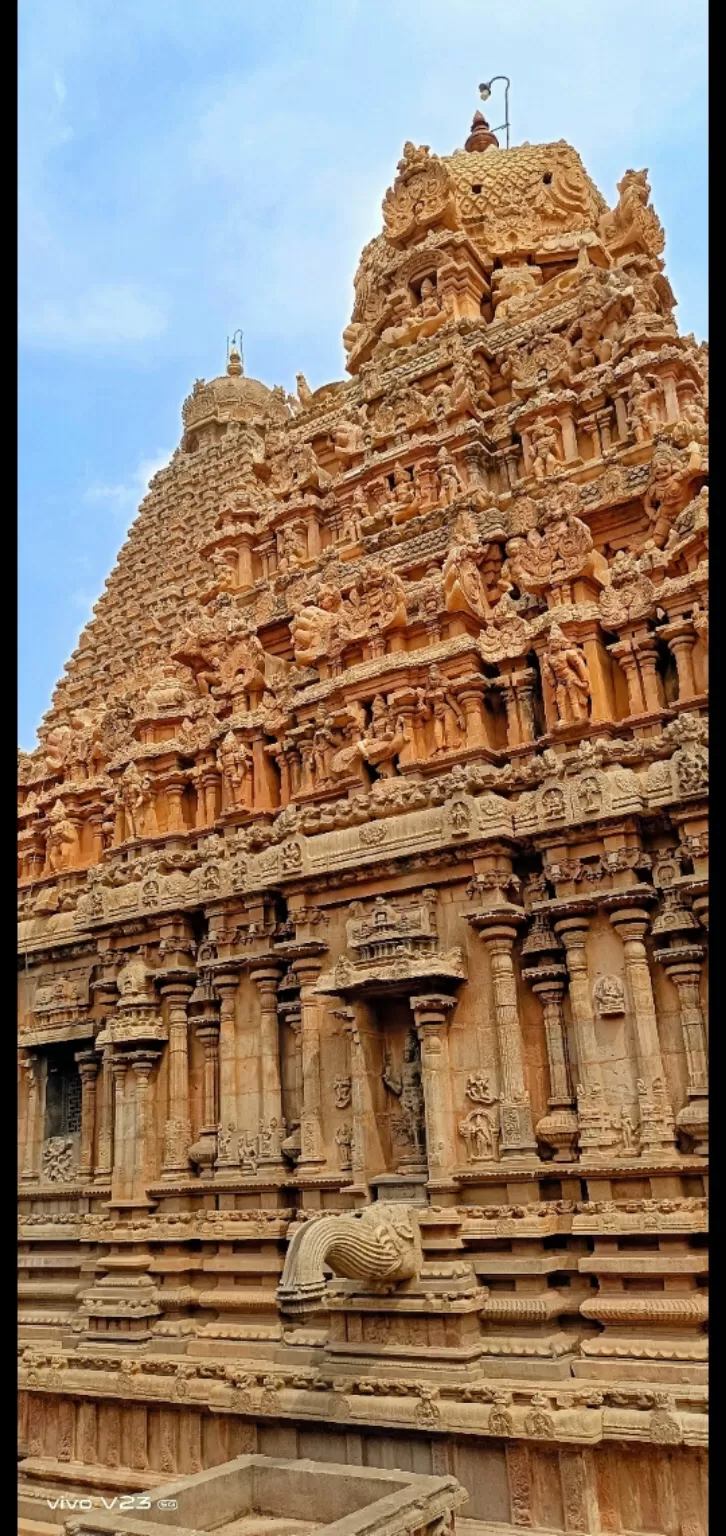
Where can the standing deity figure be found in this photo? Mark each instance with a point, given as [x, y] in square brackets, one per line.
[463, 390]
[134, 796]
[60, 840]
[448, 477]
[565, 669]
[640, 409]
[324, 744]
[628, 1134]
[407, 1087]
[479, 1131]
[437, 703]
[234, 761]
[545, 449]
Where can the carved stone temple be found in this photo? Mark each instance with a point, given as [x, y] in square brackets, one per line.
[363, 912]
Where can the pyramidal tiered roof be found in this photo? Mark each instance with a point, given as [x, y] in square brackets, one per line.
[363, 897]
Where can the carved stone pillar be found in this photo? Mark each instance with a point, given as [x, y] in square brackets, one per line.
[88, 1068]
[596, 1135]
[31, 1066]
[271, 1127]
[657, 1130]
[174, 791]
[119, 1180]
[431, 1016]
[225, 984]
[682, 960]
[681, 639]
[546, 976]
[208, 1034]
[203, 1006]
[142, 1063]
[312, 1152]
[104, 1161]
[177, 1135]
[246, 536]
[517, 1137]
[471, 697]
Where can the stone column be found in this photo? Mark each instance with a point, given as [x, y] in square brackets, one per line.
[595, 1133]
[119, 1068]
[682, 964]
[271, 1129]
[245, 546]
[178, 1135]
[142, 1063]
[31, 1066]
[226, 984]
[104, 1162]
[542, 966]
[174, 791]
[209, 1035]
[431, 1016]
[88, 1068]
[516, 1116]
[681, 639]
[209, 792]
[312, 1144]
[657, 1130]
[471, 697]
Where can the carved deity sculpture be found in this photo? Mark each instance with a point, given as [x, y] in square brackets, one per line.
[384, 738]
[464, 586]
[407, 1086]
[234, 760]
[513, 288]
[292, 547]
[134, 796]
[317, 625]
[61, 839]
[479, 1131]
[565, 669]
[56, 746]
[437, 703]
[448, 477]
[669, 488]
[546, 452]
[643, 397]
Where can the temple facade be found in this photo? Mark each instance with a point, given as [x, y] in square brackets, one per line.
[363, 903]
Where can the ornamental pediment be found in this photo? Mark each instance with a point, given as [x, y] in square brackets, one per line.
[421, 197]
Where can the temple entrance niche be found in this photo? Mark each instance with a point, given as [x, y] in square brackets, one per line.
[399, 1089]
[61, 1115]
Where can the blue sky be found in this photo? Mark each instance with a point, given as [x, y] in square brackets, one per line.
[191, 166]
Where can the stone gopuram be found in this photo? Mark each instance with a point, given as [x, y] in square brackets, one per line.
[363, 904]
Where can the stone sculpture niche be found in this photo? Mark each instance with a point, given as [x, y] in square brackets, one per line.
[379, 1247]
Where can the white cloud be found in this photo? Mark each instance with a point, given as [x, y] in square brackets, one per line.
[124, 496]
[109, 314]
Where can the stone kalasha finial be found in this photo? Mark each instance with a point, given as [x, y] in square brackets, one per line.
[480, 136]
[234, 363]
